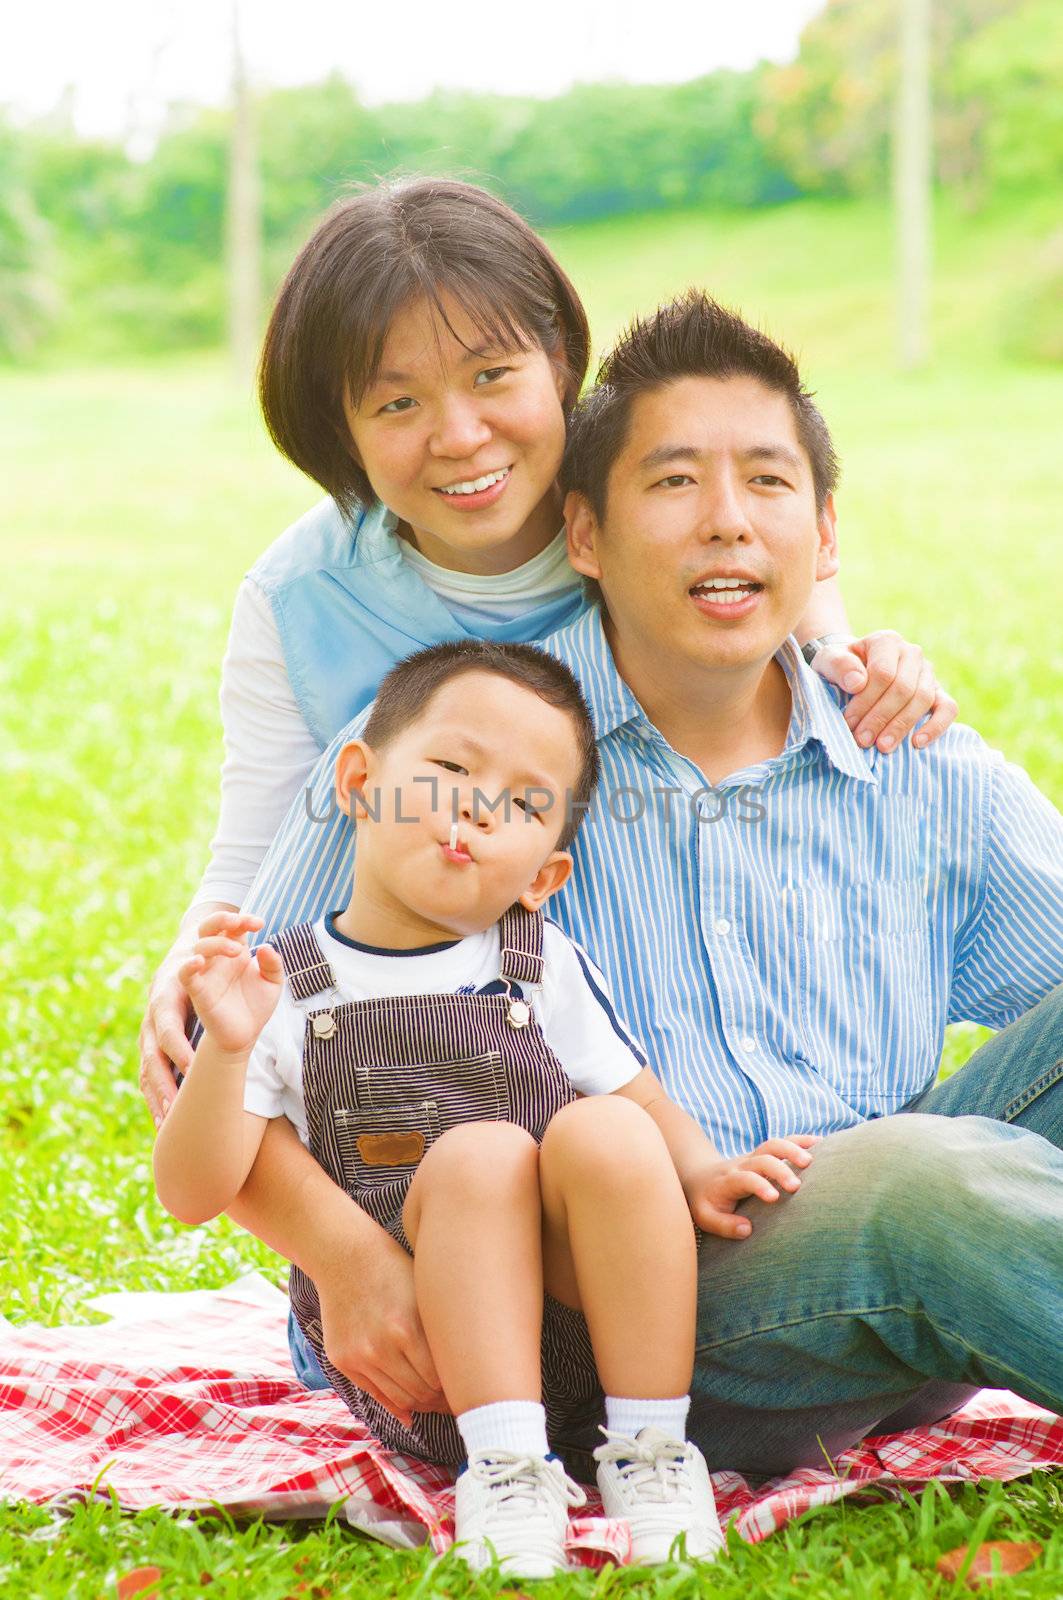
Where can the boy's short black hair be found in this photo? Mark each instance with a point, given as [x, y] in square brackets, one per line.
[409, 686]
[383, 248]
[692, 337]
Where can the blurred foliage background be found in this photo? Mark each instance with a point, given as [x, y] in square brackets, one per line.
[102, 255]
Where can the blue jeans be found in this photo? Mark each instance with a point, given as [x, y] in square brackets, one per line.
[921, 1260]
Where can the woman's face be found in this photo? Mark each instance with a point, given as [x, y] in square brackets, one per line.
[463, 441]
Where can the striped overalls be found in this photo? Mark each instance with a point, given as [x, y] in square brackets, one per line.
[382, 1080]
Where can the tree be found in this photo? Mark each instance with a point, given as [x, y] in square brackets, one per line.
[28, 296]
[243, 220]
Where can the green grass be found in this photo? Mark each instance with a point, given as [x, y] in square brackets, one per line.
[136, 497]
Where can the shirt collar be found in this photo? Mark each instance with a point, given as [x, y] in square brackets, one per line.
[583, 647]
[816, 715]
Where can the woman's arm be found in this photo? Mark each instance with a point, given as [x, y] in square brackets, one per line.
[269, 753]
[370, 1325]
[825, 612]
[893, 686]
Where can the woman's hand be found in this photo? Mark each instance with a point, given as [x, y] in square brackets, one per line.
[892, 686]
[714, 1191]
[164, 1046]
[372, 1331]
[234, 989]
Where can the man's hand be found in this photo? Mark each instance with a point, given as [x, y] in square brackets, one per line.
[714, 1190]
[372, 1331]
[893, 687]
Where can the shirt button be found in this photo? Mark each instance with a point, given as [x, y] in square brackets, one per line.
[748, 1044]
[721, 925]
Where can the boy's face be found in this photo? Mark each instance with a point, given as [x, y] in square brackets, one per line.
[489, 755]
[712, 484]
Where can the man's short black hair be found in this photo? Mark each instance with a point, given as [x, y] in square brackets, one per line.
[691, 337]
[409, 686]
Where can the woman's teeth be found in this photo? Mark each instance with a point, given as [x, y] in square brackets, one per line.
[474, 485]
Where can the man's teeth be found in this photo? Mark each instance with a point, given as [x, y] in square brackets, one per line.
[474, 485]
[726, 591]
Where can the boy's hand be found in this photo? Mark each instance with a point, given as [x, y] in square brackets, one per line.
[714, 1191]
[234, 993]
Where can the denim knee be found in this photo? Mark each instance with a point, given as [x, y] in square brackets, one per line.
[940, 1189]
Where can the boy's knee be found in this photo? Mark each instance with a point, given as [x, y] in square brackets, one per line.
[602, 1131]
[487, 1151]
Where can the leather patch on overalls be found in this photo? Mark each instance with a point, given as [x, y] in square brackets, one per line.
[390, 1149]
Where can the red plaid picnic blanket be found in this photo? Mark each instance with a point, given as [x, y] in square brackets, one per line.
[188, 1400]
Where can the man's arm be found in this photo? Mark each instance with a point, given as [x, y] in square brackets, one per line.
[1008, 952]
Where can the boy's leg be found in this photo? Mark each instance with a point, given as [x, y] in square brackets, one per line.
[618, 1244]
[922, 1255]
[474, 1219]
[1016, 1077]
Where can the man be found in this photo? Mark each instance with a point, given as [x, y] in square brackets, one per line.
[789, 924]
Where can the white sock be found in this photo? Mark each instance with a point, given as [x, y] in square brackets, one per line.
[629, 1417]
[517, 1425]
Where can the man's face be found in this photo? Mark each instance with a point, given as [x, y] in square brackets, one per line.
[710, 543]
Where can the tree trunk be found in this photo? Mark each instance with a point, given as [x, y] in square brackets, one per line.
[243, 218]
[912, 184]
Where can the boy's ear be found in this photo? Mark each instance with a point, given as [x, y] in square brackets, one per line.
[827, 562]
[551, 876]
[581, 526]
[353, 767]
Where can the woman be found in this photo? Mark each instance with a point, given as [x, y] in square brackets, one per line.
[419, 365]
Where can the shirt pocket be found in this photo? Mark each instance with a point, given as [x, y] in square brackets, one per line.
[861, 963]
[402, 1111]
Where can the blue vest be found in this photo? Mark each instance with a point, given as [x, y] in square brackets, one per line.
[347, 607]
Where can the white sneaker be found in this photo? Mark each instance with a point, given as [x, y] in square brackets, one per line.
[660, 1487]
[514, 1509]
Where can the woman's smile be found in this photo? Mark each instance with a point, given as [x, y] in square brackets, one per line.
[470, 494]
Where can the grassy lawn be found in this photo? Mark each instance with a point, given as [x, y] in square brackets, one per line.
[135, 499]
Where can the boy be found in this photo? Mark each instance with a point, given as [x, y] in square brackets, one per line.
[432, 1046]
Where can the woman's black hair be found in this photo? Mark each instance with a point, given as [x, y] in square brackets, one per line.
[383, 248]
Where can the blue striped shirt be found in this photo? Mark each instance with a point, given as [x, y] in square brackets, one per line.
[790, 944]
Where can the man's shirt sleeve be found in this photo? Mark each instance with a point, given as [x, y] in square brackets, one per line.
[1010, 952]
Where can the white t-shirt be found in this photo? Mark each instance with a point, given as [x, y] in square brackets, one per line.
[269, 750]
[573, 1007]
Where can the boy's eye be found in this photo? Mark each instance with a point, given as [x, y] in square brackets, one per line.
[768, 478]
[674, 479]
[449, 766]
[533, 811]
[395, 407]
